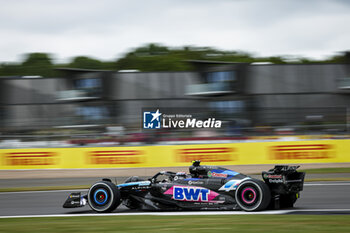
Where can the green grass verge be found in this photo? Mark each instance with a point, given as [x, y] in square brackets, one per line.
[322, 170]
[327, 170]
[202, 224]
[328, 179]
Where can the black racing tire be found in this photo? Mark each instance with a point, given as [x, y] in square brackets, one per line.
[253, 195]
[104, 197]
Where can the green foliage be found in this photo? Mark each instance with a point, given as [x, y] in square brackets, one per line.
[191, 223]
[86, 63]
[10, 69]
[151, 57]
[342, 58]
[327, 170]
[38, 64]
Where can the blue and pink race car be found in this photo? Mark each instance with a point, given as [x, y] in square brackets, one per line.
[203, 188]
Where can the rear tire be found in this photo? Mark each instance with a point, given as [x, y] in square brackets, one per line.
[103, 197]
[253, 195]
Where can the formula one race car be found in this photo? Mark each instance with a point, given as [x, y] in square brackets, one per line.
[206, 187]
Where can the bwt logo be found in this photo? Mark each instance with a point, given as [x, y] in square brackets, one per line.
[190, 194]
[152, 120]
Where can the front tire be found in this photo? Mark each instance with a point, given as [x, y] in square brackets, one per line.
[253, 195]
[103, 197]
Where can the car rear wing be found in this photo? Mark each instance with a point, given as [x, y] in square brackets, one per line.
[284, 179]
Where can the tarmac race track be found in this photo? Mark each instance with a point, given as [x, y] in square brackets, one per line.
[317, 198]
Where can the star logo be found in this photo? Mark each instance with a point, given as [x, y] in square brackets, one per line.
[151, 120]
[156, 115]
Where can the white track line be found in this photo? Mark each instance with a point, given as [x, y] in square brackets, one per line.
[327, 184]
[47, 191]
[186, 213]
[154, 214]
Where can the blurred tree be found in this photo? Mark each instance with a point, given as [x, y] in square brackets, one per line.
[37, 59]
[33, 64]
[342, 58]
[151, 49]
[8, 69]
[38, 64]
[150, 57]
[154, 57]
[86, 63]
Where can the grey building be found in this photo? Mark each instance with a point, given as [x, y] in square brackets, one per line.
[295, 93]
[264, 94]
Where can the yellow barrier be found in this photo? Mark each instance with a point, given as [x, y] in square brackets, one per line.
[321, 151]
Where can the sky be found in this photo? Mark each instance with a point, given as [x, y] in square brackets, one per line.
[107, 29]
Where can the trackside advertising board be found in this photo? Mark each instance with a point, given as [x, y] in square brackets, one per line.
[316, 151]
